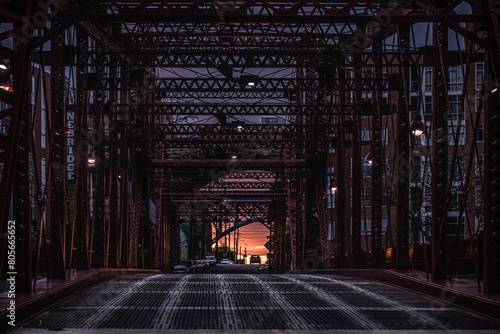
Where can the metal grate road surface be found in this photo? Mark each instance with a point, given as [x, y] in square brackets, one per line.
[243, 302]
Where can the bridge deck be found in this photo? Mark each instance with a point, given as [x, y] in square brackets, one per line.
[252, 302]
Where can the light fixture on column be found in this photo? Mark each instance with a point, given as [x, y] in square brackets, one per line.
[417, 126]
[91, 157]
[248, 80]
[333, 184]
[368, 158]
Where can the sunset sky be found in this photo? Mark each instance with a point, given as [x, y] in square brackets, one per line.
[253, 237]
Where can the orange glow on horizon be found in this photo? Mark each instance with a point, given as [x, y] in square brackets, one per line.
[253, 237]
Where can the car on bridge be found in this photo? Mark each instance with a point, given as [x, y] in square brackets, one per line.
[181, 269]
[225, 261]
[255, 259]
[211, 260]
[202, 264]
[191, 264]
[263, 268]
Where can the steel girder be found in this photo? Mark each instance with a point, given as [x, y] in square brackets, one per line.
[198, 130]
[357, 179]
[321, 21]
[59, 195]
[440, 155]
[217, 186]
[377, 253]
[285, 109]
[15, 148]
[268, 58]
[231, 164]
[198, 194]
[401, 246]
[491, 249]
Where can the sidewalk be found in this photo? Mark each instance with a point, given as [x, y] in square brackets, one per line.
[459, 292]
[49, 292]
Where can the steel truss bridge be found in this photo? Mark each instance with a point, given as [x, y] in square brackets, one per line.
[203, 110]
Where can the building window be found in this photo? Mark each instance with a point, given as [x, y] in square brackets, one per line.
[480, 133]
[453, 225]
[428, 108]
[366, 226]
[416, 170]
[366, 134]
[367, 168]
[479, 74]
[459, 173]
[478, 194]
[457, 111]
[385, 135]
[455, 78]
[3, 127]
[331, 200]
[413, 104]
[452, 133]
[479, 224]
[43, 128]
[414, 79]
[479, 164]
[367, 197]
[479, 103]
[43, 172]
[428, 227]
[33, 199]
[331, 230]
[414, 202]
[428, 79]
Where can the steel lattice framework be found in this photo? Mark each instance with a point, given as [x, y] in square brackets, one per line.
[156, 113]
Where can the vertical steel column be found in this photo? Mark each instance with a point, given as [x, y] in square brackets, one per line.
[439, 165]
[80, 217]
[16, 167]
[491, 250]
[58, 164]
[292, 218]
[100, 142]
[377, 256]
[340, 202]
[124, 200]
[113, 231]
[401, 249]
[21, 197]
[323, 229]
[357, 176]
[281, 242]
[136, 218]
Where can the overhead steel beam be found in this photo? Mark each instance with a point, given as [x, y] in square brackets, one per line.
[230, 163]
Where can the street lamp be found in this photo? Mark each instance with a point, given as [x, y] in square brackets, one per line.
[3, 65]
[91, 159]
[417, 126]
[368, 158]
[333, 184]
